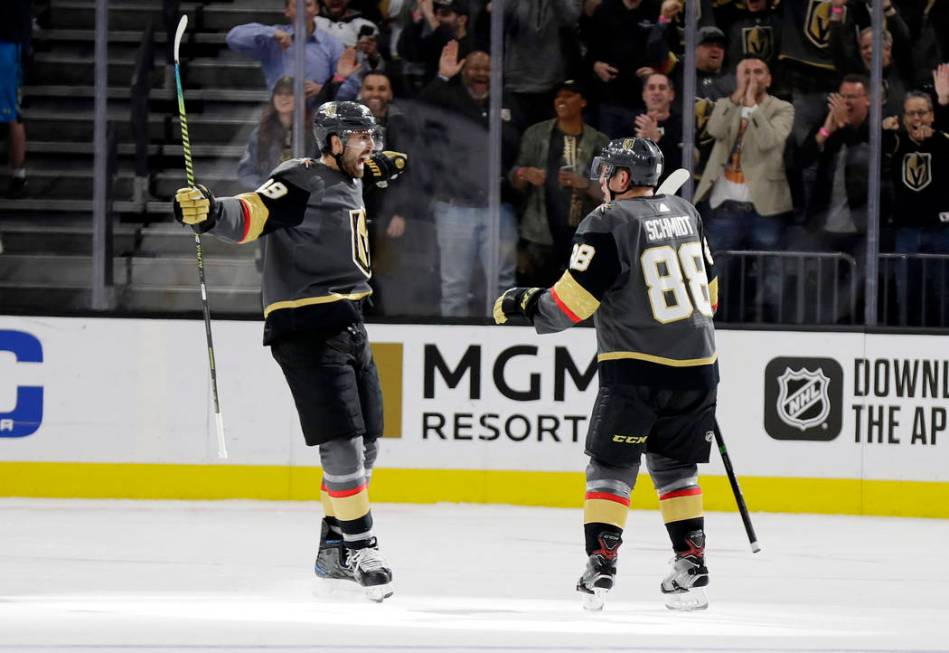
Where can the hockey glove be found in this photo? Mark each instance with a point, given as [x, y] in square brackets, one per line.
[516, 302]
[196, 208]
[383, 167]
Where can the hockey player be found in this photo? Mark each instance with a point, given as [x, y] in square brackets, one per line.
[316, 266]
[641, 267]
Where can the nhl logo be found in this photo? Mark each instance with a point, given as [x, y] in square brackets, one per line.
[803, 398]
[803, 401]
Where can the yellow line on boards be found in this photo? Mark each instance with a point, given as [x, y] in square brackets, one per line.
[527, 488]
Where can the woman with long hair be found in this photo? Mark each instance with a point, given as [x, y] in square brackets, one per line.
[271, 142]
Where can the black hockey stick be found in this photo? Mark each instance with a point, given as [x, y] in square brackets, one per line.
[736, 490]
[199, 251]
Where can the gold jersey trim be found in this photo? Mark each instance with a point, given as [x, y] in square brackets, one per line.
[577, 298]
[257, 213]
[309, 301]
[661, 360]
[825, 66]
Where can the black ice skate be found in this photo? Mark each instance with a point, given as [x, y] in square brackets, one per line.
[332, 556]
[597, 579]
[683, 585]
[371, 571]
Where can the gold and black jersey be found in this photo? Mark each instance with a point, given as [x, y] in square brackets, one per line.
[642, 268]
[805, 34]
[316, 263]
[920, 176]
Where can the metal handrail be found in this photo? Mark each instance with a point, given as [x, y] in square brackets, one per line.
[765, 275]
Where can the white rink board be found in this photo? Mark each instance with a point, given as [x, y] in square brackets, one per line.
[134, 390]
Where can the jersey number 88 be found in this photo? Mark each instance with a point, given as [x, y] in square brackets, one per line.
[667, 273]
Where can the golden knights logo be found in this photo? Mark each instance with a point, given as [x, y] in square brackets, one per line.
[817, 23]
[917, 170]
[758, 41]
[703, 111]
[803, 398]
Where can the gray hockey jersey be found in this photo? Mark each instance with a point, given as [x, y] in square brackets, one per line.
[642, 268]
[315, 245]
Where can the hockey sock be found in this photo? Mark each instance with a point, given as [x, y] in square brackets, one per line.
[603, 512]
[592, 533]
[351, 510]
[682, 512]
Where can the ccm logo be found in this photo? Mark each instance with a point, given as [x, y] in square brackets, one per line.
[27, 414]
[630, 439]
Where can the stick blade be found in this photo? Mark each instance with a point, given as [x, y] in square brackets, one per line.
[672, 183]
[179, 34]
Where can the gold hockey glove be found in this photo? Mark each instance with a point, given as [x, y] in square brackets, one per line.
[383, 167]
[516, 302]
[196, 208]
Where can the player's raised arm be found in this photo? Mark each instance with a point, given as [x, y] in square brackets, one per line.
[279, 203]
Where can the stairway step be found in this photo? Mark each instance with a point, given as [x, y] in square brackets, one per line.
[176, 271]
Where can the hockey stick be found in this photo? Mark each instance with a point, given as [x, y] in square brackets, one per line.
[672, 183]
[199, 251]
[736, 490]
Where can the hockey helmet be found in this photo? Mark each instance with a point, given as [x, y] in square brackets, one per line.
[641, 157]
[342, 119]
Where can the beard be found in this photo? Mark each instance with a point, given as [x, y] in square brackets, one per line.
[352, 168]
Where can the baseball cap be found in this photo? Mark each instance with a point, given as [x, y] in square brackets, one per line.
[457, 6]
[572, 85]
[711, 34]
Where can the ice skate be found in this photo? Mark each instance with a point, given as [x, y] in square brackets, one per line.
[598, 577]
[370, 570]
[332, 556]
[683, 585]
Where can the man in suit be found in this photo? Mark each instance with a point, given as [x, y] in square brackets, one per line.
[745, 183]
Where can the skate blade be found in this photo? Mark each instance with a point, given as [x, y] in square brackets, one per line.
[594, 602]
[379, 593]
[688, 601]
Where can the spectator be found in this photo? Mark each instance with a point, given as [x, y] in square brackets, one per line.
[756, 32]
[919, 155]
[552, 167]
[455, 132]
[537, 34]
[346, 24]
[919, 169]
[837, 212]
[619, 51]
[808, 68]
[401, 239]
[841, 148]
[711, 84]
[271, 141]
[434, 23]
[855, 55]
[745, 181]
[660, 122]
[15, 31]
[270, 45]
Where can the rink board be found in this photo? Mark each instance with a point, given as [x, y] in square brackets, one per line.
[815, 422]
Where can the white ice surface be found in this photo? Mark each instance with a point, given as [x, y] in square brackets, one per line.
[136, 577]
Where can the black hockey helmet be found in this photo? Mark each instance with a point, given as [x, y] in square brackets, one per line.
[640, 156]
[341, 119]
